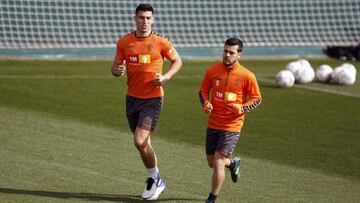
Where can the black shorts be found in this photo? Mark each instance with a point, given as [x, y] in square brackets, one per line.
[143, 113]
[221, 141]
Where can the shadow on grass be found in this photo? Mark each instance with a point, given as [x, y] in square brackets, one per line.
[88, 196]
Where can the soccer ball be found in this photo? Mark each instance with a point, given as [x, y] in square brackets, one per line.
[285, 78]
[293, 66]
[302, 71]
[305, 74]
[304, 63]
[323, 73]
[349, 66]
[344, 75]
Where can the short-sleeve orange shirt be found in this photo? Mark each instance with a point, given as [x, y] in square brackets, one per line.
[144, 57]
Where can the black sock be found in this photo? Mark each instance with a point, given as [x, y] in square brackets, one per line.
[212, 197]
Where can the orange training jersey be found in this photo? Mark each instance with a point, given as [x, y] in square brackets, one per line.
[144, 57]
[229, 86]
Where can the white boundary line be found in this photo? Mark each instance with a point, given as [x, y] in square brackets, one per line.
[56, 76]
[317, 89]
[77, 77]
[259, 78]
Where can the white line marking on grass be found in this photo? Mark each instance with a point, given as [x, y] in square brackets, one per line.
[317, 89]
[78, 77]
[329, 91]
[259, 78]
[56, 76]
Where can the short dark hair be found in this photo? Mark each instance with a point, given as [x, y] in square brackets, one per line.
[144, 7]
[235, 41]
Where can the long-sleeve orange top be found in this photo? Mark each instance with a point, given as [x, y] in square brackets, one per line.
[228, 86]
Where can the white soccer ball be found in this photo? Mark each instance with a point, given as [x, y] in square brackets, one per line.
[346, 77]
[302, 71]
[305, 74]
[285, 78]
[350, 67]
[304, 63]
[293, 66]
[343, 75]
[323, 73]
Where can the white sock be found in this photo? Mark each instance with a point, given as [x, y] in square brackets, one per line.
[153, 172]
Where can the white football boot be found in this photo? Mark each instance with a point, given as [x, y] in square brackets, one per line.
[153, 188]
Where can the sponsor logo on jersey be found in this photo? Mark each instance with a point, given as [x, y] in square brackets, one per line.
[220, 94]
[133, 59]
[141, 59]
[149, 47]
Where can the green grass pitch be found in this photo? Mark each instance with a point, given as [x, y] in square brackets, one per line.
[64, 137]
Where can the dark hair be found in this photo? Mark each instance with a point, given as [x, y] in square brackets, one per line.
[235, 41]
[144, 7]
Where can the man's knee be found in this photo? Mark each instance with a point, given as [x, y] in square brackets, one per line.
[219, 160]
[140, 144]
[141, 139]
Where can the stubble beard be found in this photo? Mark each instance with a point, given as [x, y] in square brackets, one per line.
[229, 64]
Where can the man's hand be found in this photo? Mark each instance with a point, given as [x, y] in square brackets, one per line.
[208, 107]
[160, 79]
[237, 108]
[118, 69]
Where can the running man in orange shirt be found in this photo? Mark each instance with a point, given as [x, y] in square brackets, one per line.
[142, 54]
[234, 92]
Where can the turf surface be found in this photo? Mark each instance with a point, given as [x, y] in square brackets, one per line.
[64, 137]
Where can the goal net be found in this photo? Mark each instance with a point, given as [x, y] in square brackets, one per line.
[32, 24]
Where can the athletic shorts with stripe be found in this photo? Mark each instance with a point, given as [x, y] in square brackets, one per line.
[223, 142]
[143, 113]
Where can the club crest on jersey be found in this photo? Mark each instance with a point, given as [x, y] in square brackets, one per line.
[237, 82]
[149, 47]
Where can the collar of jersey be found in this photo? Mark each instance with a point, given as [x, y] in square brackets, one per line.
[143, 37]
[236, 64]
